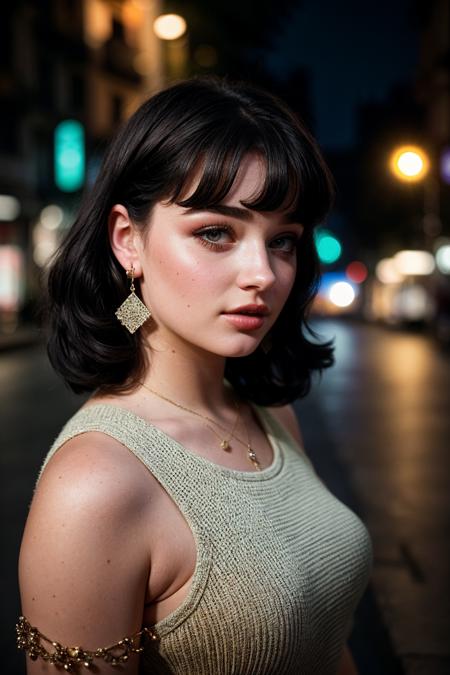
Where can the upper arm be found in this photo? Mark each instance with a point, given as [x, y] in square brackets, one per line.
[286, 415]
[84, 564]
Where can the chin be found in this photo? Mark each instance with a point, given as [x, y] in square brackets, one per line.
[240, 350]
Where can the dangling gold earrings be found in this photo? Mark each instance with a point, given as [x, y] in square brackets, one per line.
[132, 313]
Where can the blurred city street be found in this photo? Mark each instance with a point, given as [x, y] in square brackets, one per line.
[376, 425]
[377, 430]
[384, 407]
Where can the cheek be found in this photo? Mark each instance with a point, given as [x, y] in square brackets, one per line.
[178, 274]
[286, 274]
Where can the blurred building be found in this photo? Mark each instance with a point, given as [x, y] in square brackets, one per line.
[433, 91]
[85, 62]
[394, 216]
[433, 79]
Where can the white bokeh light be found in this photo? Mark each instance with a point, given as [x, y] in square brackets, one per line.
[387, 272]
[442, 256]
[410, 163]
[51, 217]
[169, 26]
[341, 294]
[415, 263]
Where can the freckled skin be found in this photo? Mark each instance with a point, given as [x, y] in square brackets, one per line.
[248, 270]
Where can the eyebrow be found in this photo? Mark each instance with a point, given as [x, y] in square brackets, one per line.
[237, 212]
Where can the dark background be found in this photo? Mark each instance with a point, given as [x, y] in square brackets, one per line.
[366, 78]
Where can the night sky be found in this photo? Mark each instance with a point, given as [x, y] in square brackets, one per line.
[354, 53]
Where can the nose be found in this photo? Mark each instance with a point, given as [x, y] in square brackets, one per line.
[255, 270]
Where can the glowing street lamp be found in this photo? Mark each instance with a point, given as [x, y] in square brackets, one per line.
[171, 29]
[169, 26]
[409, 163]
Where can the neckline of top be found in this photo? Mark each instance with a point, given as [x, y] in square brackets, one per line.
[268, 472]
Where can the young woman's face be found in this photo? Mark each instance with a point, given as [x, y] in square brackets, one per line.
[218, 278]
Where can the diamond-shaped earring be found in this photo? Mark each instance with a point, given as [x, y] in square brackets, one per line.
[132, 313]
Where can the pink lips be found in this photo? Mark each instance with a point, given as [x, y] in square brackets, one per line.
[245, 322]
[247, 317]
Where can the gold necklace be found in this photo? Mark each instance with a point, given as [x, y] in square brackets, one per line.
[224, 442]
[250, 452]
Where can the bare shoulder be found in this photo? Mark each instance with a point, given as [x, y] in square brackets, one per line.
[92, 493]
[84, 560]
[286, 416]
[92, 467]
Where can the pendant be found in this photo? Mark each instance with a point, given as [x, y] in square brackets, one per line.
[225, 445]
[253, 458]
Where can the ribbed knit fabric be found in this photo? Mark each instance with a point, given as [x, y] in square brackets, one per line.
[281, 563]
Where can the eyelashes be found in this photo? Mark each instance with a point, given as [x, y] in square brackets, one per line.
[290, 243]
[213, 232]
[214, 238]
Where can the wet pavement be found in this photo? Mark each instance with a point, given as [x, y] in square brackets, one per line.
[376, 428]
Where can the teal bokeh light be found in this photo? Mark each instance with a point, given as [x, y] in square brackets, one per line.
[328, 247]
[69, 156]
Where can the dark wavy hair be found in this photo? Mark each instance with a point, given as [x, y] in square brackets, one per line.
[212, 124]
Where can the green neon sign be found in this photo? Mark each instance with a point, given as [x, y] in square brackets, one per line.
[69, 156]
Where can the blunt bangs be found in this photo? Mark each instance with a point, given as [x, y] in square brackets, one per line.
[292, 182]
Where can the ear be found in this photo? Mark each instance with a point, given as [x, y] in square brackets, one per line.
[123, 238]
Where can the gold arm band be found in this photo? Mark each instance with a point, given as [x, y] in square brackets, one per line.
[72, 658]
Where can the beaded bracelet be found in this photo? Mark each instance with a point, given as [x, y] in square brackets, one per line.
[70, 658]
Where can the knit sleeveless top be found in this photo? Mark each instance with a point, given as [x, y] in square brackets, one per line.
[281, 563]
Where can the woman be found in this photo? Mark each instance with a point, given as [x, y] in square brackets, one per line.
[174, 509]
